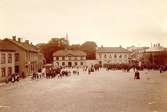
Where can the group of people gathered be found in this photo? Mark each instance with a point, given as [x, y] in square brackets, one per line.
[15, 77]
[61, 72]
[55, 72]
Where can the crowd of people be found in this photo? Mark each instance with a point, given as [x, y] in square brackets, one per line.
[60, 72]
[15, 77]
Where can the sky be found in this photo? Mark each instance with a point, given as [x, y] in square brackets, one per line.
[107, 22]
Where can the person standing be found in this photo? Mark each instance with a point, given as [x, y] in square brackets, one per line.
[13, 76]
[137, 75]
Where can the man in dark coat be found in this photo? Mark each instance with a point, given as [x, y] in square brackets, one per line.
[137, 75]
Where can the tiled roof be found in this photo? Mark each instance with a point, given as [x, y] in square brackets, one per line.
[112, 49]
[69, 52]
[23, 45]
[5, 47]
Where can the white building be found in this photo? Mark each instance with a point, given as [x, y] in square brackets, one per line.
[7, 61]
[137, 53]
[112, 55]
[69, 58]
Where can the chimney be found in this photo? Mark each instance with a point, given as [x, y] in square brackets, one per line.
[19, 39]
[27, 41]
[14, 38]
[101, 46]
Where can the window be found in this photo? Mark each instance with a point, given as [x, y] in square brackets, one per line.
[81, 63]
[69, 58]
[3, 72]
[76, 63]
[16, 57]
[105, 56]
[125, 56]
[99, 55]
[63, 63]
[110, 56]
[63, 58]
[3, 59]
[9, 58]
[115, 56]
[57, 58]
[120, 56]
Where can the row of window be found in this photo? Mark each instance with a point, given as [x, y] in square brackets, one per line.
[3, 71]
[31, 56]
[70, 63]
[3, 58]
[70, 58]
[9, 58]
[114, 61]
[115, 56]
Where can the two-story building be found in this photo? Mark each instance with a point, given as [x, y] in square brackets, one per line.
[112, 55]
[7, 62]
[69, 58]
[28, 58]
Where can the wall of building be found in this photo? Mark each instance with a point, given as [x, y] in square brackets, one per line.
[7, 65]
[22, 56]
[58, 61]
[28, 62]
[113, 58]
[158, 58]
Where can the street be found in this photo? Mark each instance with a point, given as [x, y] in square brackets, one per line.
[103, 91]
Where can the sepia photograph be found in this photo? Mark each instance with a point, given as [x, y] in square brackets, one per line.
[83, 55]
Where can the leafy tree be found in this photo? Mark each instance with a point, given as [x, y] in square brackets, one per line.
[52, 46]
[90, 48]
[75, 47]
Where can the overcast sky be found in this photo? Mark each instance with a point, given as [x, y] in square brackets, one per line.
[107, 22]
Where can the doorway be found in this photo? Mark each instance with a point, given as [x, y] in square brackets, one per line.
[69, 64]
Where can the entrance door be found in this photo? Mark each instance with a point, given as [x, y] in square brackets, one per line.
[16, 69]
[69, 64]
[100, 62]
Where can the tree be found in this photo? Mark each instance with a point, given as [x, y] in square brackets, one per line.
[75, 47]
[90, 48]
[52, 46]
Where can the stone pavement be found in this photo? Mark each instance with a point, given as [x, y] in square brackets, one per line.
[104, 91]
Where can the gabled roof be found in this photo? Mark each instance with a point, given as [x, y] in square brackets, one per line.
[112, 49]
[69, 52]
[5, 47]
[25, 46]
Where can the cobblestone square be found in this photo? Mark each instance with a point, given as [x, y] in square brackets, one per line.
[103, 91]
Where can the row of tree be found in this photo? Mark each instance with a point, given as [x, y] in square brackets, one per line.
[56, 44]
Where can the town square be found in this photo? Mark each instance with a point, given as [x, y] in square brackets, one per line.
[83, 56]
[100, 91]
